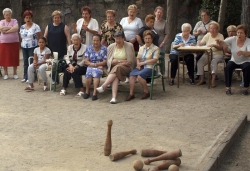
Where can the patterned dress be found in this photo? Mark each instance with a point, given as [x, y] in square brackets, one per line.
[95, 57]
[108, 32]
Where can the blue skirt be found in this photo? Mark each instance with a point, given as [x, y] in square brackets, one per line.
[144, 73]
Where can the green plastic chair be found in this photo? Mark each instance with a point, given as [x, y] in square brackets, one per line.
[160, 69]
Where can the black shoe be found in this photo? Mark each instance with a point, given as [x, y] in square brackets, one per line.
[171, 82]
[94, 97]
[85, 96]
[191, 81]
[197, 77]
[228, 92]
[244, 92]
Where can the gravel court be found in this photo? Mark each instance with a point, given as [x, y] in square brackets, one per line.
[45, 131]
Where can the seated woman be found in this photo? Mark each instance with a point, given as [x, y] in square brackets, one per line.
[240, 58]
[41, 53]
[121, 61]
[148, 55]
[75, 65]
[210, 40]
[96, 59]
[182, 39]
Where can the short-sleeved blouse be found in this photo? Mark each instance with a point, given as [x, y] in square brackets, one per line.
[9, 37]
[108, 32]
[41, 55]
[179, 39]
[131, 29]
[208, 40]
[29, 36]
[144, 54]
[161, 29]
[96, 57]
[232, 41]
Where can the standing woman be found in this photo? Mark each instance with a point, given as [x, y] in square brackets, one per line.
[109, 27]
[161, 28]
[86, 26]
[29, 33]
[58, 35]
[131, 26]
[9, 43]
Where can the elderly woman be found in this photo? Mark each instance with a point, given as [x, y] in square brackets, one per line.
[58, 36]
[161, 28]
[131, 26]
[182, 39]
[96, 59]
[149, 25]
[148, 55]
[240, 50]
[9, 43]
[109, 27]
[121, 61]
[29, 33]
[200, 30]
[86, 26]
[210, 40]
[75, 65]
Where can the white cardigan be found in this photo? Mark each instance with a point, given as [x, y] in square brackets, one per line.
[93, 25]
[80, 54]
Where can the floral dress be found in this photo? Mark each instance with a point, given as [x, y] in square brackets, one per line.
[95, 57]
[108, 32]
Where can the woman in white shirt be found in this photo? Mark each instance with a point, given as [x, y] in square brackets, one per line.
[240, 50]
[86, 26]
[29, 33]
[131, 26]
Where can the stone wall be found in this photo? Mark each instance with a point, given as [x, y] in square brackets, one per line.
[70, 9]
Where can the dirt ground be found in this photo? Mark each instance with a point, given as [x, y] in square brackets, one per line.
[43, 131]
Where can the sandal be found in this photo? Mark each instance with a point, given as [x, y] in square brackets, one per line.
[29, 88]
[45, 88]
[80, 94]
[62, 92]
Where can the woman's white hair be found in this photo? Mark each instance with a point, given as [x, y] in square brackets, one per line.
[7, 10]
[75, 35]
[186, 25]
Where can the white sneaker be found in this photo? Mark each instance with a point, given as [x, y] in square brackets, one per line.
[100, 89]
[113, 101]
[23, 80]
[27, 81]
[109, 86]
[15, 77]
[5, 77]
[126, 81]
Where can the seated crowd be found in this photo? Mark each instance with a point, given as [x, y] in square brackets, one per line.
[125, 51]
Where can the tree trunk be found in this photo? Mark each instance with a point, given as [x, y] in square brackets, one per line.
[16, 7]
[172, 18]
[245, 14]
[222, 14]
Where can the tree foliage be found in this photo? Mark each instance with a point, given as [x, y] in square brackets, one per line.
[233, 11]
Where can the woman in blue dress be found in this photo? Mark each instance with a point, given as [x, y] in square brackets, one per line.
[96, 60]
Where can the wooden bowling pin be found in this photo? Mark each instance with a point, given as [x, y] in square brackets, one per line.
[151, 152]
[167, 163]
[120, 155]
[154, 168]
[108, 142]
[166, 156]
